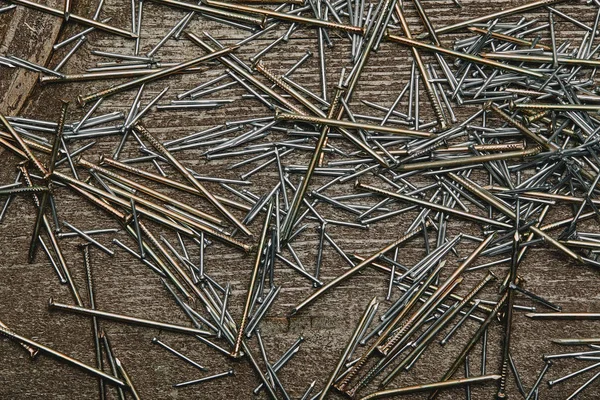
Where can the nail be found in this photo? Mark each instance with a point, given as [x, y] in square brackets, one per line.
[89, 239]
[161, 73]
[464, 56]
[92, 299]
[62, 357]
[472, 342]
[497, 15]
[205, 379]
[371, 309]
[354, 270]
[244, 320]
[127, 379]
[31, 350]
[284, 16]
[539, 379]
[126, 319]
[178, 354]
[75, 18]
[432, 386]
[189, 177]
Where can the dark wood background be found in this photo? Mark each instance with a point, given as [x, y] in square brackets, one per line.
[124, 285]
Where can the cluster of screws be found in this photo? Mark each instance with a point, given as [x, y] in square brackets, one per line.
[514, 135]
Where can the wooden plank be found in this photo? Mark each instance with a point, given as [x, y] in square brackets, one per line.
[127, 286]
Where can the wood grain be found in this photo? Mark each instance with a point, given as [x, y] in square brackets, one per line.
[125, 285]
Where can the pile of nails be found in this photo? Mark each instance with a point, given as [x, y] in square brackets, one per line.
[504, 139]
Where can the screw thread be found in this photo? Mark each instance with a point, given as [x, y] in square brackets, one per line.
[343, 384]
[503, 379]
[437, 107]
[385, 349]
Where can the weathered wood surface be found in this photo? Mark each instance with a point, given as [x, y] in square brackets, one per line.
[124, 285]
[21, 32]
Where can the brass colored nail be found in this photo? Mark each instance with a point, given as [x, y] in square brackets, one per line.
[58, 138]
[126, 319]
[138, 128]
[356, 269]
[526, 131]
[458, 161]
[92, 298]
[447, 317]
[260, 67]
[352, 125]
[32, 145]
[530, 119]
[249, 77]
[286, 17]
[431, 386]
[443, 288]
[8, 145]
[159, 218]
[150, 192]
[124, 219]
[472, 342]
[483, 194]
[154, 76]
[343, 385]
[212, 11]
[290, 219]
[555, 243]
[482, 147]
[556, 107]
[257, 262]
[509, 39]
[371, 308]
[464, 56]
[17, 138]
[167, 182]
[434, 100]
[531, 58]
[498, 15]
[61, 356]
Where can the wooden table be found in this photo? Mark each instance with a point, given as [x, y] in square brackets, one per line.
[125, 285]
